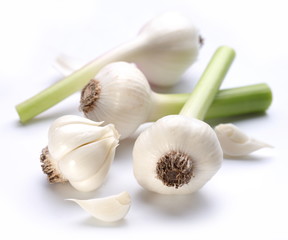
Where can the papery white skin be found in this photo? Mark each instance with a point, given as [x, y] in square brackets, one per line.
[124, 98]
[82, 150]
[172, 45]
[164, 49]
[234, 142]
[182, 134]
[108, 209]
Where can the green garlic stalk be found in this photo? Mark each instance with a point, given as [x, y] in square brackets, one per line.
[120, 94]
[164, 48]
[178, 154]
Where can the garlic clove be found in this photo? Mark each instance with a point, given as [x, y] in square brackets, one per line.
[65, 136]
[84, 161]
[234, 142]
[108, 209]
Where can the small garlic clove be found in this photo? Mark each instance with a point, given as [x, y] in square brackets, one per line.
[95, 181]
[84, 161]
[108, 209]
[236, 143]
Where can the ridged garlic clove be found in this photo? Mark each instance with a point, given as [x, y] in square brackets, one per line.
[176, 155]
[119, 94]
[108, 209]
[234, 142]
[79, 150]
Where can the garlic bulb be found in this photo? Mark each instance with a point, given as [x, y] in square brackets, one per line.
[236, 143]
[176, 155]
[108, 209]
[164, 49]
[80, 151]
[172, 44]
[119, 94]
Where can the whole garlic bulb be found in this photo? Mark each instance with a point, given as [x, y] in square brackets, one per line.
[181, 163]
[119, 94]
[79, 150]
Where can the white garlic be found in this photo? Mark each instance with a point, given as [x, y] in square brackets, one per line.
[80, 151]
[236, 143]
[108, 209]
[119, 94]
[164, 49]
[176, 155]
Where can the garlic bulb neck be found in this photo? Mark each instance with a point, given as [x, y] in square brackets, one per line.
[175, 169]
[50, 168]
[89, 95]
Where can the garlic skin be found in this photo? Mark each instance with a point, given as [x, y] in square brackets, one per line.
[236, 143]
[119, 94]
[80, 151]
[182, 137]
[108, 209]
[172, 45]
[165, 47]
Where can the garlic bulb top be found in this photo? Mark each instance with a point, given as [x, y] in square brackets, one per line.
[172, 44]
[234, 142]
[181, 163]
[80, 151]
[119, 94]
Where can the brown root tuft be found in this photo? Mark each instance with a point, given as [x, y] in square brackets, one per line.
[48, 167]
[89, 95]
[175, 169]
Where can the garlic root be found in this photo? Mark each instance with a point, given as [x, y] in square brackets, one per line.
[108, 209]
[236, 143]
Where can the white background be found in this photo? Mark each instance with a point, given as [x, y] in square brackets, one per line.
[247, 199]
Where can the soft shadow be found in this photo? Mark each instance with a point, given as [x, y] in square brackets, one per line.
[93, 222]
[125, 149]
[175, 205]
[61, 191]
[256, 157]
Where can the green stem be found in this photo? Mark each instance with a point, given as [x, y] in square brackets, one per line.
[207, 87]
[230, 102]
[74, 82]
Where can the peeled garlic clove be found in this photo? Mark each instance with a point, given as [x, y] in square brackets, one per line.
[236, 143]
[108, 209]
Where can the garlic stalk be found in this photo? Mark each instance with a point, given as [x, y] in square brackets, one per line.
[120, 94]
[108, 209]
[80, 151]
[234, 142]
[178, 154]
[164, 48]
